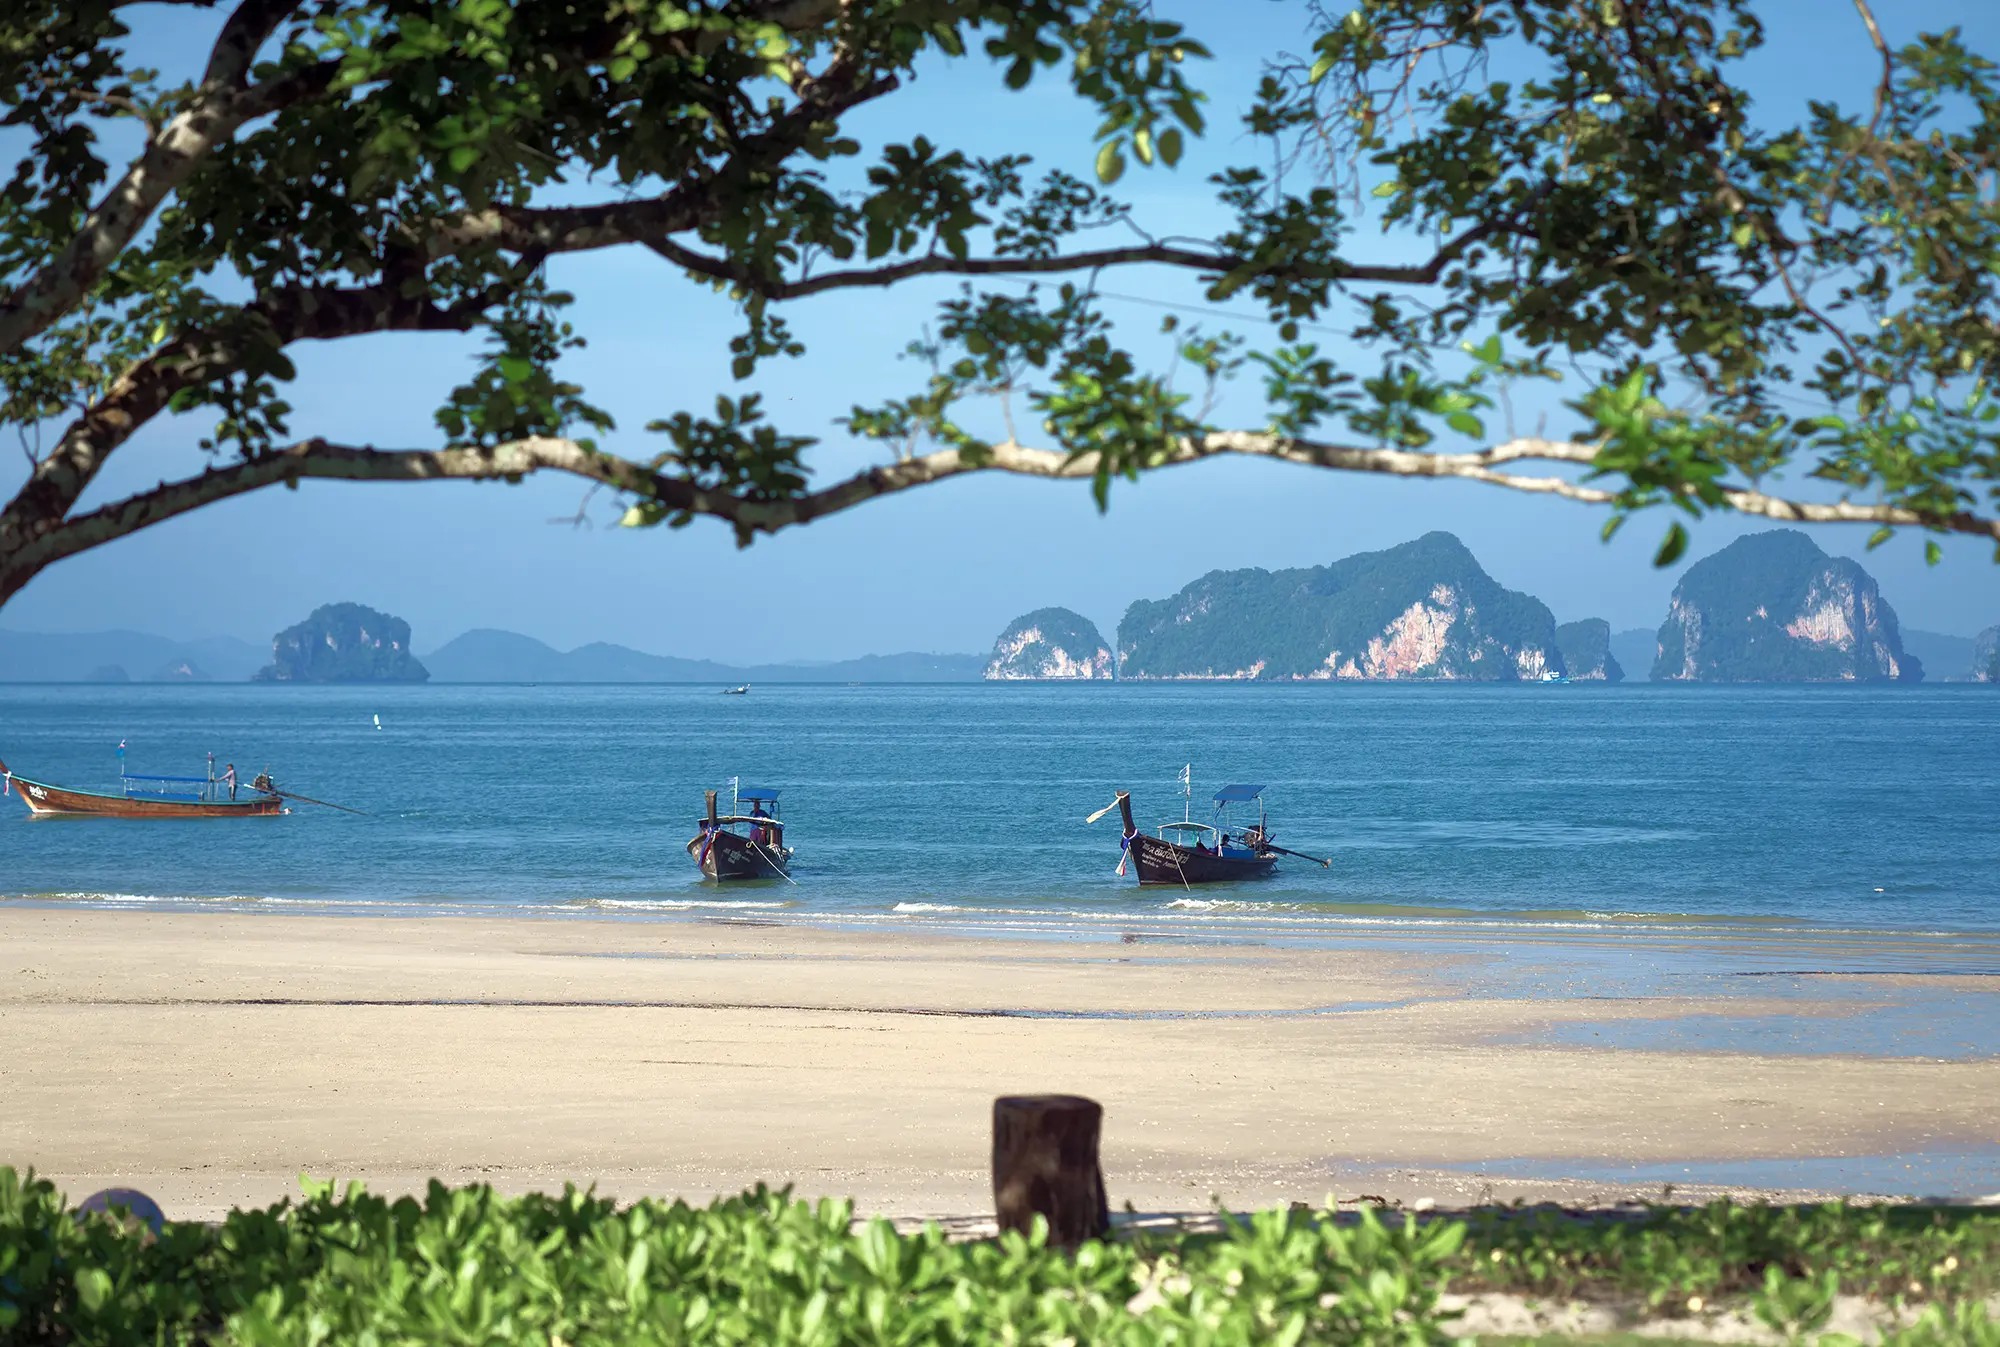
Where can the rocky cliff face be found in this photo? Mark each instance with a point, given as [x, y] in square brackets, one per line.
[1421, 610]
[1774, 608]
[344, 643]
[1050, 643]
[1586, 651]
[1986, 656]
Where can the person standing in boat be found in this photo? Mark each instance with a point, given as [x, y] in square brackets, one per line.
[229, 778]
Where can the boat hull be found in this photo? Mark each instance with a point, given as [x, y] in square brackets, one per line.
[42, 798]
[1161, 862]
[734, 857]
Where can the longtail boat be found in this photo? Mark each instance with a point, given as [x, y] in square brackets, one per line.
[742, 846]
[1186, 852]
[150, 797]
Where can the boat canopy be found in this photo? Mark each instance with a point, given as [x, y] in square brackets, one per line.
[1237, 793]
[1186, 828]
[764, 793]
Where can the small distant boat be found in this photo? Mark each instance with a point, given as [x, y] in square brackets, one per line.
[737, 845]
[1187, 852]
[1554, 676]
[736, 692]
[151, 797]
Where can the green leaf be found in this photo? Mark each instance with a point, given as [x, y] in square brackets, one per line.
[1465, 423]
[1170, 146]
[93, 1287]
[1880, 536]
[1671, 546]
[1933, 554]
[1385, 189]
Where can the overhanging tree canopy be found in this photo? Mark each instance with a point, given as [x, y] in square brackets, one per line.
[1587, 176]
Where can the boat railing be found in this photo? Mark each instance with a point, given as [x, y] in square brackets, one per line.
[161, 787]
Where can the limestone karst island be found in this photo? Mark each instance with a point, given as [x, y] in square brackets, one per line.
[344, 643]
[1768, 608]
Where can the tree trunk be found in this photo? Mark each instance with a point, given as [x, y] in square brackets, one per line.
[1045, 1164]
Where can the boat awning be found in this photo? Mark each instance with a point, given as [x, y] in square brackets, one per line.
[1186, 828]
[764, 793]
[1236, 794]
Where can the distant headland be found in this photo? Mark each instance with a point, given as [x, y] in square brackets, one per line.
[1770, 607]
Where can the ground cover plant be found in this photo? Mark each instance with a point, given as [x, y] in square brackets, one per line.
[467, 1265]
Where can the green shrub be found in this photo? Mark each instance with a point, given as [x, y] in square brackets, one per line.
[470, 1266]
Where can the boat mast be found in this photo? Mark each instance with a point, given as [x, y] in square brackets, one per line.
[1187, 793]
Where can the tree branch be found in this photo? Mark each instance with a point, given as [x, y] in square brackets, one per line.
[939, 264]
[242, 36]
[522, 458]
[171, 154]
[306, 313]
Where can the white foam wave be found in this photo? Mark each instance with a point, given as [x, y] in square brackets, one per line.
[680, 904]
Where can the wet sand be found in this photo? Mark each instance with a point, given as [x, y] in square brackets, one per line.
[210, 1058]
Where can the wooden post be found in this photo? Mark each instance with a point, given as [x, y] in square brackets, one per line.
[1045, 1164]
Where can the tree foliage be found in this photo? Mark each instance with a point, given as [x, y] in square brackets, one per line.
[1593, 182]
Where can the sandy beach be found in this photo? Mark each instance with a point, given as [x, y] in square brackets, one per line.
[209, 1059]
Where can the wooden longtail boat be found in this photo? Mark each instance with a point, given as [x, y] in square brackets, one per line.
[1187, 853]
[742, 846]
[145, 797]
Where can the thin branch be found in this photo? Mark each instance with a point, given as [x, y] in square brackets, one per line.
[939, 264]
[522, 458]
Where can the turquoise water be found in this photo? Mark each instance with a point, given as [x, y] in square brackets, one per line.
[1459, 810]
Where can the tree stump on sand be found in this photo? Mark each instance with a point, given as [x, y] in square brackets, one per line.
[1045, 1164]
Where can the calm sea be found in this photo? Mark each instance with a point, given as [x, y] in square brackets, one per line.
[1458, 808]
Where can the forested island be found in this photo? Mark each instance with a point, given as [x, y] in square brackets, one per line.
[1774, 608]
[1424, 609]
[1586, 651]
[344, 643]
[1050, 643]
[1986, 656]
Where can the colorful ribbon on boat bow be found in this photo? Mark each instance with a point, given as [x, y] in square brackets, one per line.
[1125, 850]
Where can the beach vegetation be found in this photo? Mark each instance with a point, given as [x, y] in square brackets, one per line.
[468, 1265]
[1731, 305]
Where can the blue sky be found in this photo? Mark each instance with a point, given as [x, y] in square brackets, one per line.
[939, 569]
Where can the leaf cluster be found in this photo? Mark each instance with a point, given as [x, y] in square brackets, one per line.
[467, 1265]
